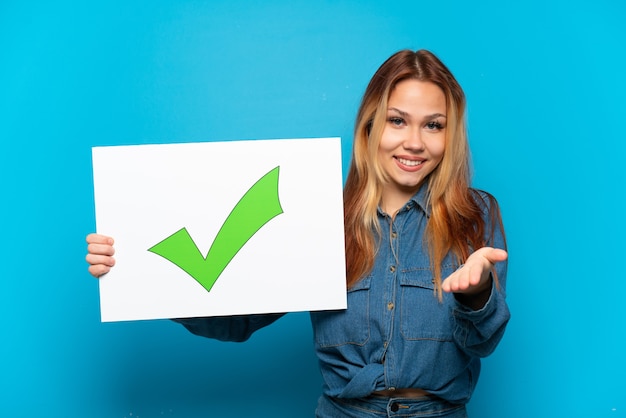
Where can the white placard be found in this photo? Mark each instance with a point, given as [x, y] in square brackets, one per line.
[278, 202]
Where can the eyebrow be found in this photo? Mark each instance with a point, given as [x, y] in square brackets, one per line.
[406, 115]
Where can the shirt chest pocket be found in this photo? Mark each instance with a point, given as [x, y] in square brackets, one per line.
[349, 326]
[422, 315]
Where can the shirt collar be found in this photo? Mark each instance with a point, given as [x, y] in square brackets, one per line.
[421, 198]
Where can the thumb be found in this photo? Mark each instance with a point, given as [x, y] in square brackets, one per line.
[495, 255]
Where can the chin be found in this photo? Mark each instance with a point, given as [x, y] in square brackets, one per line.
[412, 184]
[411, 188]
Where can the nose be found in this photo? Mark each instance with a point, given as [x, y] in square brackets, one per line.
[414, 140]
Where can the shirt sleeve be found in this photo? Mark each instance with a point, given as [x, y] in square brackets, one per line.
[478, 332]
[228, 328]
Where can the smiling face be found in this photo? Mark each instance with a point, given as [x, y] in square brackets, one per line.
[413, 139]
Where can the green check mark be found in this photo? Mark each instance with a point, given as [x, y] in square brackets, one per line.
[257, 207]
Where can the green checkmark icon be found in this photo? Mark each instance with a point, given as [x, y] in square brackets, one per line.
[257, 207]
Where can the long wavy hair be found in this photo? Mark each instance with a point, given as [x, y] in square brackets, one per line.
[456, 224]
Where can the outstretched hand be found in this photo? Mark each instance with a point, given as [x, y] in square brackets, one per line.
[474, 277]
[100, 253]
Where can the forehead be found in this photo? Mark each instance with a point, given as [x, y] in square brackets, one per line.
[415, 95]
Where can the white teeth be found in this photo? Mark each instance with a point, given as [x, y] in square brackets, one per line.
[410, 163]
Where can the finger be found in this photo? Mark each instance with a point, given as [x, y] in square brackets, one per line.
[451, 283]
[99, 239]
[445, 285]
[98, 270]
[95, 259]
[469, 279]
[100, 249]
[475, 275]
[463, 280]
[454, 283]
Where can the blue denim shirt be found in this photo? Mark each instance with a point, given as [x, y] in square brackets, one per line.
[395, 333]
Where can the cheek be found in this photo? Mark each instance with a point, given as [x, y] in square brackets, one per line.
[386, 142]
[385, 148]
[436, 148]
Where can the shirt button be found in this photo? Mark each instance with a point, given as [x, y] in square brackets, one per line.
[394, 235]
[390, 306]
[392, 269]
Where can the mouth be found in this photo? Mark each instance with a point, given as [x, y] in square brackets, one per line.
[409, 163]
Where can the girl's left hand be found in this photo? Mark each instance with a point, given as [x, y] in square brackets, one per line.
[474, 276]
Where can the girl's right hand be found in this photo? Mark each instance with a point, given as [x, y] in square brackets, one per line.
[99, 254]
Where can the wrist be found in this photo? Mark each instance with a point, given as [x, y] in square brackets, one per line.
[478, 299]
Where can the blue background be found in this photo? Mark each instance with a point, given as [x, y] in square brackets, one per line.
[545, 85]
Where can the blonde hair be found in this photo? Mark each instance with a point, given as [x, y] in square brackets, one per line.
[456, 223]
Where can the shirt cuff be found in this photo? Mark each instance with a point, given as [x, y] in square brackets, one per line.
[474, 315]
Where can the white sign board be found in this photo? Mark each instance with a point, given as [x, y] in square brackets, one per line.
[221, 228]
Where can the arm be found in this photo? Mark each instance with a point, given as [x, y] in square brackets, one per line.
[478, 332]
[479, 287]
[228, 328]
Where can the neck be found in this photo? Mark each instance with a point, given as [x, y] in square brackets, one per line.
[391, 205]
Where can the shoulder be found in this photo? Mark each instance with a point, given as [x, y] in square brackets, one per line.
[481, 196]
[485, 200]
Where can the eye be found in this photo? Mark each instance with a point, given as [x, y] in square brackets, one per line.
[396, 121]
[433, 125]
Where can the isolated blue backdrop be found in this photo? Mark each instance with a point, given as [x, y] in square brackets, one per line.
[545, 84]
